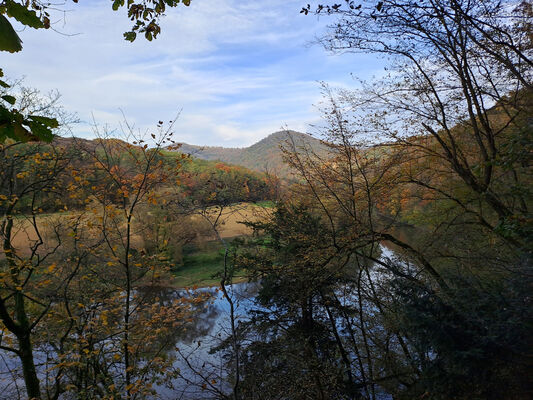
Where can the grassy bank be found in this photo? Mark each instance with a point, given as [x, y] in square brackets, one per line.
[204, 261]
[202, 265]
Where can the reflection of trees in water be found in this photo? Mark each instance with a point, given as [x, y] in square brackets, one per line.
[204, 313]
[202, 325]
[201, 357]
[193, 347]
[197, 329]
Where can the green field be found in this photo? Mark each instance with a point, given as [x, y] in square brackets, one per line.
[202, 265]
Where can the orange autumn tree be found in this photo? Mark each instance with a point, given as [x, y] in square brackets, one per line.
[80, 307]
[30, 240]
[136, 329]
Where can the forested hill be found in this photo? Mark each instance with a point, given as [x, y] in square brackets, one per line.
[202, 182]
[263, 156]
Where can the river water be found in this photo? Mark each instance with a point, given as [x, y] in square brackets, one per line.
[191, 349]
[194, 360]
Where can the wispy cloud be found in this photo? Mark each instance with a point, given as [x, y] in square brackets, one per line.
[238, 69]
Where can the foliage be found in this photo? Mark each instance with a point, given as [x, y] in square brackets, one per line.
[292, 331]
[26, 14]
[199, 182]
[146, 14]
[84, 274]
[479, 344]
[221, 184]
[36, 14]
[400, 265]
[423, 163]
[20, 126]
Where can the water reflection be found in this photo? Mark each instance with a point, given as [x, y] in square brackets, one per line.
[189, 346]
[208, 316]
[200, 371]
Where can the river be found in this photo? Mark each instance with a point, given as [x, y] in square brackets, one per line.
[198, 370]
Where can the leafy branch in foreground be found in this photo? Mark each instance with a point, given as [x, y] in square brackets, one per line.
[36, 14]
[20, 127]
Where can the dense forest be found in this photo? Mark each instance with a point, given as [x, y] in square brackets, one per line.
[395, 263]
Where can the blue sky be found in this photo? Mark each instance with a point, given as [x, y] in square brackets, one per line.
[237, 69]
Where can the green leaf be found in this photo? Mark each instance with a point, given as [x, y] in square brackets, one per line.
[21, 134]
[9, 40]
[49, 122]
[5, 114]
[23, 15]
[39, 131]
[2, 83]
[130, 36]
[10, 99]
[13, 125]
[117, 4]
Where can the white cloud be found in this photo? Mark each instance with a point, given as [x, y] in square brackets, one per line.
[238, 69]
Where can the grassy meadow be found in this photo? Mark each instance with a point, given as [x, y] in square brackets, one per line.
[201, 259]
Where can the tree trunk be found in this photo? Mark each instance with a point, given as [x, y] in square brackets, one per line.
[28, 367]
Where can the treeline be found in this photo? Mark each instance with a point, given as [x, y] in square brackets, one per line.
[67, 161]
[217, 183]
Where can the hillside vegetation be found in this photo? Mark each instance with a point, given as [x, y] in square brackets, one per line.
[199, 182]
[263, 156]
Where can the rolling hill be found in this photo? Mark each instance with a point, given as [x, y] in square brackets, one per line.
[263, 156]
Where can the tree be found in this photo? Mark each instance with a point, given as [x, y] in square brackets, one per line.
[78, 285]
[288, 335]
[31, 184]
[433, 145]
[124, 178]
[27, 174]
[461, 75]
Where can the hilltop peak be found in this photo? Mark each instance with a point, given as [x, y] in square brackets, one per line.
[265, 155]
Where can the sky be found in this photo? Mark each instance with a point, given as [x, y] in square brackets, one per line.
[234, 71]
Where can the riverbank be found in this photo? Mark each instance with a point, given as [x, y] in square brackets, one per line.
[203, 260]
[202, 266]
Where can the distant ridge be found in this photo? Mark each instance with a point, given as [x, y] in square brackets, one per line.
[263, 156]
